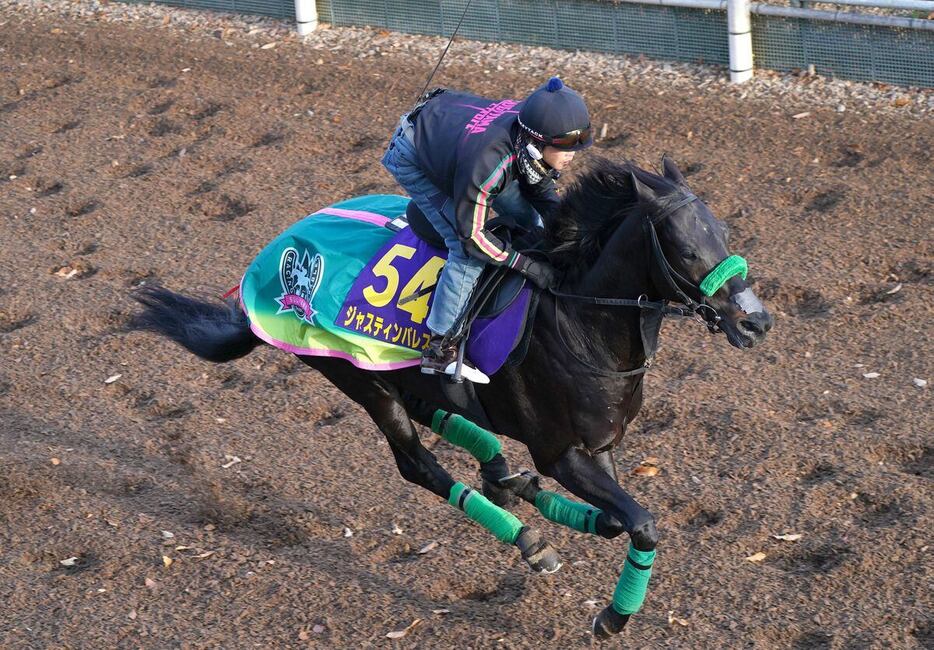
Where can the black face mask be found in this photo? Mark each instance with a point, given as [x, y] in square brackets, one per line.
[534, 170]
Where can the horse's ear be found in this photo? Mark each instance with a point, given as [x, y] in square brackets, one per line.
[671, 170]
[642, 190]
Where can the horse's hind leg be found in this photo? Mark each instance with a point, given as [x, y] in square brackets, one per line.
[418, 465]
[482, 445]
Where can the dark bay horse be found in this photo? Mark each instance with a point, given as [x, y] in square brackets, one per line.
[628, 241]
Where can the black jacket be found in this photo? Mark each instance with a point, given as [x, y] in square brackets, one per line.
[466, 146]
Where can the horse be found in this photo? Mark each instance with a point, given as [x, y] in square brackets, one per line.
[630, 244]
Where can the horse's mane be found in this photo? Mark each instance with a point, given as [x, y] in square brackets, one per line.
[595, 204]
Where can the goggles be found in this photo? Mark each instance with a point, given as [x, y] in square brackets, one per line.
[570, 139]
[565, 140]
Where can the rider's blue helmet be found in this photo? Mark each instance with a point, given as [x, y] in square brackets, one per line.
[557, 116]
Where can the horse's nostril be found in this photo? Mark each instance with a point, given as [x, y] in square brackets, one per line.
[750, 326]
[757, 324]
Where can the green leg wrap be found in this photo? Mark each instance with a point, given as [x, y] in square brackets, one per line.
[501, 523]
[630, 590]
[579, 516]
[459, 431]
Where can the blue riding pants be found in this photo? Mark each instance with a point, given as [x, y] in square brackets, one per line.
[461, 271]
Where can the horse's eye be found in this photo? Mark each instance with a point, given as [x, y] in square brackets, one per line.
[688, 255]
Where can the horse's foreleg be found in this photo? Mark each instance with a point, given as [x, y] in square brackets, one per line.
[582, 475]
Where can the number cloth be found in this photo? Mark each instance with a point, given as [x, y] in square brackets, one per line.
[335, 284]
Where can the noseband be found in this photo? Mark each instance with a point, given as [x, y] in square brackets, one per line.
[670, 278]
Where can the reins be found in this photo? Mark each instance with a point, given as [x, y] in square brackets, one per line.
[690, 309]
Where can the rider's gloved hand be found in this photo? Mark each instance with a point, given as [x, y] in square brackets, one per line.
[540, 272]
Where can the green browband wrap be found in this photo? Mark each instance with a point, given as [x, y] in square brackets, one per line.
[502, 524]
[579, 516]
[630, 590]
[460, 431]
[733, 265]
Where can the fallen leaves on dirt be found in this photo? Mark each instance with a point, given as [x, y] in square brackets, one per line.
[648, 467]
[756, 557]
[427, 548]
[672, 619]
[789, 537]
[113, 378]
[401, 633]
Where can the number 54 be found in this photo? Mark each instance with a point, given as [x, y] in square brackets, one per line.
[426, 276]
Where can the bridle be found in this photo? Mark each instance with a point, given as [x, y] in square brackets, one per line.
[666, 277]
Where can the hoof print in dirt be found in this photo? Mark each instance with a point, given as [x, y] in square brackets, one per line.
[270, 139]
[204, 187]
[692, 168]
[140, 170]
[43, 190]
[820, 473]
[169, 411]
[165, 127]
[226, 209]
[85, 208]
[367, 142]
[29, 153]
[813, 641]
[163, 82]
[795, 301]
[850, 156]
[76, 270]
[921, 464]
[881, 294]
[14, 171]
[825, 201]
[135, 279]
[210, 110]
[881, 513]
[68, 126]
[333, 417]
[706, 518]
[237, 166]
[820, 559]
[161, 108]
[12, 323]
[77, 564]
[615, 140]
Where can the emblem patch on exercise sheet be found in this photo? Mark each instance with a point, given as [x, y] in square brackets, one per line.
[300, 277]
[390, 298]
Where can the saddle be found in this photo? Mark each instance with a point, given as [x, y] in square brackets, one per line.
[497, 291]
[497, 288]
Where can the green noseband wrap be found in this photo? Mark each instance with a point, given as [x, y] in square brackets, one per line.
[460, 431]
[733, 265]
[630, 590]
[504, 525]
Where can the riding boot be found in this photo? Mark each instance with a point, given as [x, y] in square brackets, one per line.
[440, 357]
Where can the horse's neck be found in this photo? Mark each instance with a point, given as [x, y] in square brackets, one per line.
[621, 271]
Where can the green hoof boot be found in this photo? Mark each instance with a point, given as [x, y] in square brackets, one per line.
[608, 623]
[501, 496]
[538, 553]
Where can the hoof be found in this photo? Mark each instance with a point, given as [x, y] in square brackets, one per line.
[524, 485]
[501, 496]
[538, 553]
[609, 622]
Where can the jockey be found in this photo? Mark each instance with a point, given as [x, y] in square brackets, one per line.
[458, 155]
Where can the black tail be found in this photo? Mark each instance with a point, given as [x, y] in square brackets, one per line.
[215, 332]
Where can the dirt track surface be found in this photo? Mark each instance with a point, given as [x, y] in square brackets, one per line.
[145, 155]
